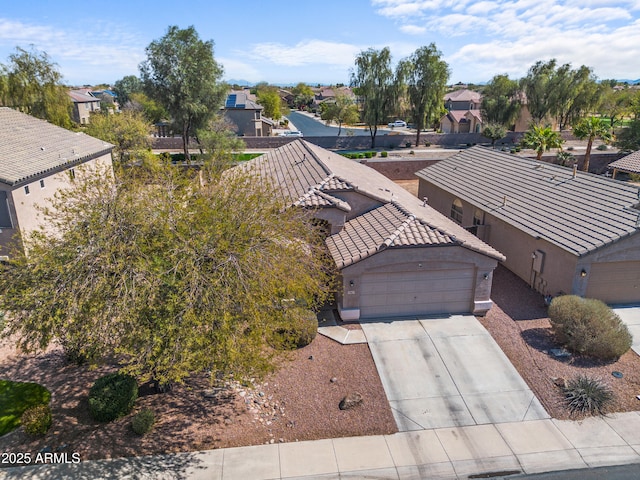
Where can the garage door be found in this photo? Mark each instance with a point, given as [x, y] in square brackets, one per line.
[416, 293]
[615, 282]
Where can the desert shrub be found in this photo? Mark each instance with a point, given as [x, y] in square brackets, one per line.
[143, 421]
[408, 144]
[384, 154]
[368, 154]
[587, 395]
[112, 396]
[299, 330]
[589, 327]
[427, 144]
[602, 146]
[36, 420]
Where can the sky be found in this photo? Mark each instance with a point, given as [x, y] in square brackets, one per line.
[316, 42]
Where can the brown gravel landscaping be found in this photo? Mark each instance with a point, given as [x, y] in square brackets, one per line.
[300, 401]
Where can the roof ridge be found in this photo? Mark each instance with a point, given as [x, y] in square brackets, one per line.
[401, 228]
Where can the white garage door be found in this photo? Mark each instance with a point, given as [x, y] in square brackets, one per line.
[615, 282]
[416, 293]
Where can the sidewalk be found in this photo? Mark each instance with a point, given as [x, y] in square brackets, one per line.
[443, 453]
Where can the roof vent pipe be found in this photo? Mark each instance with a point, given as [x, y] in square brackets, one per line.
[504, 201]
[575, 171]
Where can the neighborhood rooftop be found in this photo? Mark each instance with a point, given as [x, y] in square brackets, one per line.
[579, 213]
[30, 147]
[307, 175]
[630, 163]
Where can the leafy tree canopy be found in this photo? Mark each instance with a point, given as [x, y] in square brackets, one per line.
[124, 87]
[181, 74]
[342, 110]
[501, 101]
[171, 272]
[31, 83]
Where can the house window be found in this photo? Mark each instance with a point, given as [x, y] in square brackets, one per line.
[26, 189]
[478, 217]
[41, 183]
[456, 211]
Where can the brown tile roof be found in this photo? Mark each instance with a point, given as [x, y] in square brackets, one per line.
[463, 95]
[307, 175]
[630, 163]
[387, 226]
[579, 214]
[30, 147]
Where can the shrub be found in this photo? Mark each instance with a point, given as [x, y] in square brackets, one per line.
[143, 421]
[368, 154]
[587, 395]
[112, 396]
[427, 144]
[602, 146]
[299, 330]
[36, 420]
[408, 144]
[383, 154]
[589, 327]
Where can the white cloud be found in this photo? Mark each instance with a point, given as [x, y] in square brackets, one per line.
[306, 53]
[238, 70]
[413, 29]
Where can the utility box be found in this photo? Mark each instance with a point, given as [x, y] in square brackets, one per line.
[538, 261]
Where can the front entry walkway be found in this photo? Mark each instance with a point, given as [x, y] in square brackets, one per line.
[447, 372]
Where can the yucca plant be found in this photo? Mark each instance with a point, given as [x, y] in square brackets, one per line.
[587, 395]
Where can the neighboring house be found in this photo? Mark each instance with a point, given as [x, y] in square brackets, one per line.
[246, 115]
[562, 231]
[83, 104]
[396, 255]
[36, 160]
[461, 121]
[107, 96]
[628, 164]
[463, 114]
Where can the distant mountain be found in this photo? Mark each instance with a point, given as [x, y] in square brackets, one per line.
[630, 82]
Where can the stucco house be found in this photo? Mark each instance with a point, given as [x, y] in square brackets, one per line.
[627, 164]
[562, 231]
[396, 255]
[463, 112]
[246, 115]
[84, 103]
[36, 160]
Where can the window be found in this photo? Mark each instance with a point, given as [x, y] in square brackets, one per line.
[42, 183]
[26, 189]
[478, 217]
[456, 211]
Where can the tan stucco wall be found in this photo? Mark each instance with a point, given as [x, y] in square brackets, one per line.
[24, 207]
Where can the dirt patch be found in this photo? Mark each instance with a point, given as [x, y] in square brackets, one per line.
[299, 402]
[519, 323]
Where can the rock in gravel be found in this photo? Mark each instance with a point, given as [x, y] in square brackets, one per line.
[333, 380]
[350, 401]
[560, 382]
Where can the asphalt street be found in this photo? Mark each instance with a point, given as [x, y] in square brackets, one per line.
[315, 128]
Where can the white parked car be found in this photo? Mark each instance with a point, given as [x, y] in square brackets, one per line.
[291, 133]
[398, 123]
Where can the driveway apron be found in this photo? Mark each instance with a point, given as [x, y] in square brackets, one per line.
[447, 372]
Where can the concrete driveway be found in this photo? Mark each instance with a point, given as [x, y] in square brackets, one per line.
[631, 317]
[447, 372]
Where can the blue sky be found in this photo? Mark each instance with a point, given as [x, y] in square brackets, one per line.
[317, 41]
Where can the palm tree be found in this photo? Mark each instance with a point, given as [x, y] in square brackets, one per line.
[591, 128]
[541, 139]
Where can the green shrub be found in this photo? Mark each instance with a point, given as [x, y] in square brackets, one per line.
[383, 154]
[589, 327]
[143, 421]
[427, 144]
[602, 146]
[587, 395]
[368, 154]
[299, 330]
[36, 420]
[408, 144]
[112, 396]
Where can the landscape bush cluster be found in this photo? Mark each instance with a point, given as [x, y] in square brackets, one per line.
[587, 395]
[355, 156]
[143, 421]
[300, 329]
[587, 326]
[112, 397]
[36, 420]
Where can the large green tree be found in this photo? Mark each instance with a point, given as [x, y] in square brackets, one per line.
[303, 95]
[124, 87]
[536, 86]
[425, 74]
[591, 128]
[129, 131]
[181, 74]
[614, 104]
[270, 100]
[342, 110]
[501, 101]
[573, 93]
[541, 139]
[494, 132]
[169, 272]
[32, 84]
[377, 86]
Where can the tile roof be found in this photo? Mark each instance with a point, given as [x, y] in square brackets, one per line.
[82, 96]
[463, 95]
[30, 147]
[579, 214]
[630, 163]
[240, 101]
[308, 175]
[387, 226]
